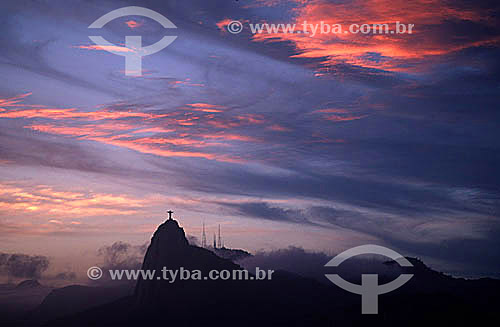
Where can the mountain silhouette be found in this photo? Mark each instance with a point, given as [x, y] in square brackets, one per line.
[17, 301]
[170, 248]
[76, 298]
[287, 299]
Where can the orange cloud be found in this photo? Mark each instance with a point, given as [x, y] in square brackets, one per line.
[222, 124]
[392, 50]
[144, 145]
[133, 24]
[43, 199]
[223, 23]
[63, 130]
[68, 113]
[186, 82]
[278, 128]
[251, 118]
[205, 107]
[176, 141]
[153, 130]
[175, 134]
[11, 102]
[230, 137]
[150, 149]
[115, 48]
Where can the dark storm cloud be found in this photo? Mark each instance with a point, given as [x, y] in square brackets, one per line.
[461, 92]
[292, 259]
[311, 264]
[395, 198]
[23, 265]
[263, 210]
[122, 255]
[407, 234]
[481, 257]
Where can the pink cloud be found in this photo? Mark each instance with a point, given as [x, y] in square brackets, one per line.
[115, 48]
[403, 52]
[133, 24]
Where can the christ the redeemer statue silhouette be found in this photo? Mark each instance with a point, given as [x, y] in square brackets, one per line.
[170, 212]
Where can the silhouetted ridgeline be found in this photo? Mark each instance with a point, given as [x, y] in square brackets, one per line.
[428, 298]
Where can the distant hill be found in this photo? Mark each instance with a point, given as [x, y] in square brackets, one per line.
[76, 298]
[27, 284]
[16, 301]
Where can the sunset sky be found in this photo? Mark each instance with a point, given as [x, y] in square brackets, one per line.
[323, 142]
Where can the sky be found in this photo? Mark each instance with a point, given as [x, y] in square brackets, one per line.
[322, 142]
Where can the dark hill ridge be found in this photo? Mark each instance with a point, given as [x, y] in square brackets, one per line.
[16, 301]
[429, 298]
[170, 248]
[29, 283]
[75, 298]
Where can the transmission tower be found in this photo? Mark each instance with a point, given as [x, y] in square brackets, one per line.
[203, 237]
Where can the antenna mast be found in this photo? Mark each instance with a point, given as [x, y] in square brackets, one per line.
[203, 237]
[219, 241]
